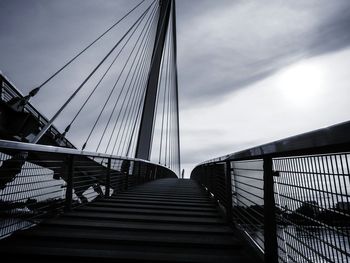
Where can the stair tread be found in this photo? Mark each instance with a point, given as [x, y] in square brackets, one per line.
[167, 220]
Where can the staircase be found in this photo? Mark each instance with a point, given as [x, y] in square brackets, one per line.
[166, 220]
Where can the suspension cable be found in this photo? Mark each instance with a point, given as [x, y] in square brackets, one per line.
[143, 43]
[115, 84]
[100, 80]
[49, 123]
[137, 121]
[164, 97]
[137, 107]
[142, 75]
[117, 136]
[36, 90]
[127, 114]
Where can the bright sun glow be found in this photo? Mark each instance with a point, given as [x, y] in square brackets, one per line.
[301, 83]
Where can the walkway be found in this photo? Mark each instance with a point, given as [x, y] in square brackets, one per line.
[167, 220]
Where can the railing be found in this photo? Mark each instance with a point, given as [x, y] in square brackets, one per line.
[290, 198]
[38, 182]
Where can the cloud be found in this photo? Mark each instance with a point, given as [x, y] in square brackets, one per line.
[225, 48]
[235, 44]
[305, 96]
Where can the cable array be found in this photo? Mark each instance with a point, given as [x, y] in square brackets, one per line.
[122, 78]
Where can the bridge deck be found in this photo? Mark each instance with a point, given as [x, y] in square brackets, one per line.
[167, 220]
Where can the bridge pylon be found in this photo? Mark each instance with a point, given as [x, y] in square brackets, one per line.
[144, 142]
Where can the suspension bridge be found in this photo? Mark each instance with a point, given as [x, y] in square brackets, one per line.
[119, 195]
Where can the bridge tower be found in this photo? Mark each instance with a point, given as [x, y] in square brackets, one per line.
[144, 142]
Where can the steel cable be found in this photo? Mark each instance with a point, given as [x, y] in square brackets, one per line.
[98, 118]
[35, 90]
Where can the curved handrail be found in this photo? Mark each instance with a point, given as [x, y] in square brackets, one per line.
[22, 146]
[298, 184]
[40, 181]
[332, 138]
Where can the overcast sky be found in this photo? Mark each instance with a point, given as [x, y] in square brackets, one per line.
[250, 72]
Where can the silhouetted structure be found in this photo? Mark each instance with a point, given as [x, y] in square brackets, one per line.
[101, 207]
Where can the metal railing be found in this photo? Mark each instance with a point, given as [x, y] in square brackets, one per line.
[38, 182]
[290, 198]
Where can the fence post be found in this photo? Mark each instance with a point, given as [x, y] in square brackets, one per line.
[155, 173]
[211, 178]
[126, 180]
[139, 173]
[228, 191]
[147, 173]
[205, 182]
[69, 187]
[108, 178]
[1, 87]
[270, 228]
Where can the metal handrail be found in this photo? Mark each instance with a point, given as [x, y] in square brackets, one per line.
[303, 183]
[22, 146]
[41, 181]
[323, 140]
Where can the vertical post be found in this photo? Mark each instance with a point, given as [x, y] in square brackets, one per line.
[149, 173]
[228, 191]
[126, 180]
[139, 173]
[155, 173]
[108, 178]
[206, 176]
[211, 169]
[143, 147]
[69, 187]
[270, 228]
[1, 87]
[144, 172]
[145, 176]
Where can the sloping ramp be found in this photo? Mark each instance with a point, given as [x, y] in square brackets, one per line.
[167, 220]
